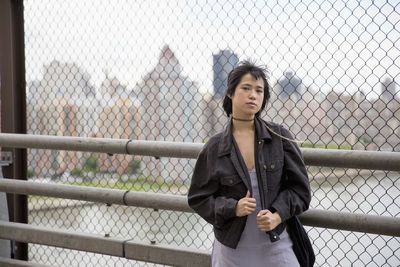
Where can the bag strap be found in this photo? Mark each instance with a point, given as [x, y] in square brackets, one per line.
[283, 137]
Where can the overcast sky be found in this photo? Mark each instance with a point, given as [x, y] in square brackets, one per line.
[341, 45]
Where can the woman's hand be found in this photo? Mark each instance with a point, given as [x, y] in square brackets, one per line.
[267, 221]
[246, 205]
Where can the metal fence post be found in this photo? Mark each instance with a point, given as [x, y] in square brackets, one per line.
[5, 249]
[13, 108]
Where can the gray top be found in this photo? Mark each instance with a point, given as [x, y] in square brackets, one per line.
[255, 247]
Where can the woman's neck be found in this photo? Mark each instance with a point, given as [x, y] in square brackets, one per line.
[242, 125]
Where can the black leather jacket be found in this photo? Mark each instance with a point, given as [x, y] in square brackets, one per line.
[220, 179]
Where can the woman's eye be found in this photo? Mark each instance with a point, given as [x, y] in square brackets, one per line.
[245, 88]
[260, 91]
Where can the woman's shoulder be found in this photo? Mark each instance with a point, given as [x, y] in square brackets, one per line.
[213, 141]
[273, 125]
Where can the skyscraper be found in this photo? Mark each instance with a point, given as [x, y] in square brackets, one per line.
[388, 88]
[223, 63]
[289, 85]
[169, 111]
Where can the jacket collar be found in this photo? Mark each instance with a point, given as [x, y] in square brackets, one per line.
[225, 145]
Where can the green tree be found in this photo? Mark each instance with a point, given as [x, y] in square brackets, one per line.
[90, 164]
[134, 166]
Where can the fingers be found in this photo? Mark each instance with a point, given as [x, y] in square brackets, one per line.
[264, 225]
[249, 206]
[244, 210]
[249, 199]
[263, 212]
[266, 220]
[248, 211]
[246, 205]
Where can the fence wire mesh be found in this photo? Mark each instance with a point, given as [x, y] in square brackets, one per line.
[157, 70]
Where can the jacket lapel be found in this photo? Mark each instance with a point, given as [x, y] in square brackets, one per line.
[239, 165]
[228, 146]
[261, 130]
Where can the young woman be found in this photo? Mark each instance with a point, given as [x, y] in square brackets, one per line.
[249, 179]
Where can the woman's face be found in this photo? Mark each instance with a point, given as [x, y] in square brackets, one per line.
[248, 97]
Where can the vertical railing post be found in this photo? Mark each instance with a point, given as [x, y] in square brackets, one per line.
[13, 104]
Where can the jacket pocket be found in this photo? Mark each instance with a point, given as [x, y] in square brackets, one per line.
[231, 180]
[232, 187]
[273, 170]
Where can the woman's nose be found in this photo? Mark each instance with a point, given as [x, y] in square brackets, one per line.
[252, 94]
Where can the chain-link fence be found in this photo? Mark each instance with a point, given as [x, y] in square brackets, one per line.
[156, 70]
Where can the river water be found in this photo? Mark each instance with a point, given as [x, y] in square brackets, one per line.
[377, 195]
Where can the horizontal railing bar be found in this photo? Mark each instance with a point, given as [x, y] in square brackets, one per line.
[28, 233]
[164, 149]
[372, 224]
[97, 194]
[167, 254]
[8, 262]
[102, 145]
[130, 249]
[356, 159]
[87, 144]
[371, 160]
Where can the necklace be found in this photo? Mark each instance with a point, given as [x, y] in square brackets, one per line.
[241, 119]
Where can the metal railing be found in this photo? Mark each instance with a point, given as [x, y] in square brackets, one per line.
[373, 160]
[126, 248]
[382, 225]
[7, 262]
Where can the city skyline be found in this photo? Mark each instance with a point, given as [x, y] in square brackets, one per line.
[167, 89]
[294, 81]
[331, 46]
[167, 106]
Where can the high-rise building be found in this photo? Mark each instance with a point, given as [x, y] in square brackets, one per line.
[223, 63]
[169, 112]
[289, 85]
[388, 88]
[62, 79]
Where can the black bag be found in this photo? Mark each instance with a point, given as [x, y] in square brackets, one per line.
[301, 242]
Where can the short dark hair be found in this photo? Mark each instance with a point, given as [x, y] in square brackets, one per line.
[234, 77]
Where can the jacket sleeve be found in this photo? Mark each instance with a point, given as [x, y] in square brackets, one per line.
[202, 194]
[295, 195]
